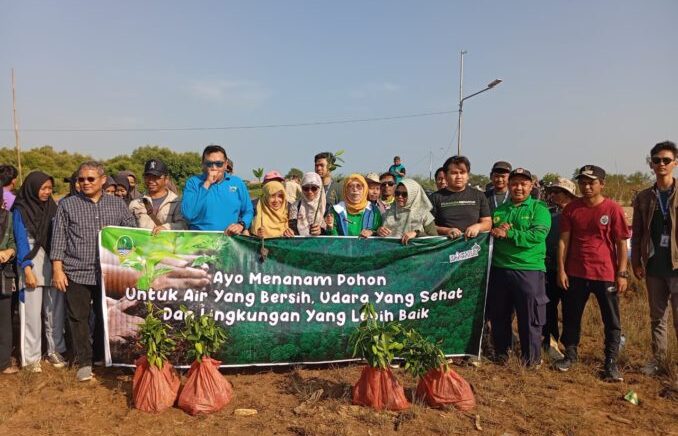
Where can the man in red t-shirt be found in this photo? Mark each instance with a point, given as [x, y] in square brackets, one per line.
[592, 258]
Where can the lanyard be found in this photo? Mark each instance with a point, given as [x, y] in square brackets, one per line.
[494, 199]
[664, 208]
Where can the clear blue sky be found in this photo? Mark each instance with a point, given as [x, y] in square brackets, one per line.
[584, 81]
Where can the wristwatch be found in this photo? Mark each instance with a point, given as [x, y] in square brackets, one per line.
[242, 223]
[623, 274]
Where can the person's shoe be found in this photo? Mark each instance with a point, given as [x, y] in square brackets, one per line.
[10, 370]
[56, 360]
[651, 368]
[611, 372]
[555, 354]
[99, 363]
[84, 374]
[33, 367]
[564, 364]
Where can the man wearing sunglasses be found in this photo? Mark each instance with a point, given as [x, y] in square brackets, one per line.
[75, 259]
[388, 184]
[216, 200]
[654, 248]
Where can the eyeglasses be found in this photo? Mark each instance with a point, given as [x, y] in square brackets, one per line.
[387, 183]
[214, 163]
[309, 188]
[664, 160]
[401, 194]
[87, 179]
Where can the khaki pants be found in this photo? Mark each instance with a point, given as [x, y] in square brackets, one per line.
[660, 292]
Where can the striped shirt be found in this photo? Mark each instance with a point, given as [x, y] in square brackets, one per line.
[75, 236]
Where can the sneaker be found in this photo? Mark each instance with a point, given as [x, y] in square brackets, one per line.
[651, 368]
[84, 374]
[56, 359]
[564, 364]
[34, 367]
[611, 372]
[10, 370]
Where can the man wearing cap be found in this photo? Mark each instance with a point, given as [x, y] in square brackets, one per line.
[215, 200]
[498, 194]
[592, 258]
[374, 192]
[517, 279]
[559, 194]
[397, 169]
[160, 208]
[655, 252]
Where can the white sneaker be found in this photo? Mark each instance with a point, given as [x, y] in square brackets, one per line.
[56, 359]
[33, 367]
[84, 374]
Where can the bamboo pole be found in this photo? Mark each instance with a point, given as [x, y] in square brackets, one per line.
[16, 127]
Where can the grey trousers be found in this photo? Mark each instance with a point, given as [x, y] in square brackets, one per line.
[33, 303]
[662, 292]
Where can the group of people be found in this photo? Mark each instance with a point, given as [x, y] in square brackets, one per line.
[545, 252]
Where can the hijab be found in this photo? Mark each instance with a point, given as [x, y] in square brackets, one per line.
[71, 184]
[110, 181]
[414, 216]
[37, 215]
[355, 208]
[132, 194]
[122, 180]
[311, 212]
[273, 222]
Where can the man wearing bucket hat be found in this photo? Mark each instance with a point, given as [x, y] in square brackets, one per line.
[559, 195]
[592, 258]
[516, 280]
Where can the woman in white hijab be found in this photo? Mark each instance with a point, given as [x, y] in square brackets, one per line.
[410, 215]
[307, 214]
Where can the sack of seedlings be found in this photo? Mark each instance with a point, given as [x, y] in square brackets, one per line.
[154, 389]
[206, 390]
[378, 388]
[443, 386]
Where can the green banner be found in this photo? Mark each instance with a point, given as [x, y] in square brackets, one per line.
[301, 302]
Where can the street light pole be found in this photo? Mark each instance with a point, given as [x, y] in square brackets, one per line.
[462, 99]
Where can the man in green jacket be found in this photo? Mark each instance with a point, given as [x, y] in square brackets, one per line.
[517, 281]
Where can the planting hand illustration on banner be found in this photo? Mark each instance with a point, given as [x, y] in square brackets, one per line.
[302, 302]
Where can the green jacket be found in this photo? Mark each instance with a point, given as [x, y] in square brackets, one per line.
[524, 247]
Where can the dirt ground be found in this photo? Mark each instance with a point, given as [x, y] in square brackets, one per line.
[316, 401]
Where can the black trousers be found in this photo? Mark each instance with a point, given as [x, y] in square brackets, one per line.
[80, 300]
[524, 292]
[574, 303]
[5, 332]
[555, 295]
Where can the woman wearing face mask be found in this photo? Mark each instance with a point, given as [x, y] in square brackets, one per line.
[33, 212]
[306, 215]
[410, 217]
[355, 216]
[271, 218]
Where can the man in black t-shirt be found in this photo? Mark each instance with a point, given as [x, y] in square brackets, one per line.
[459, 209]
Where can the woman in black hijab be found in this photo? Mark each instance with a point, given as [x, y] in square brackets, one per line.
[33, 212]
[122, 189]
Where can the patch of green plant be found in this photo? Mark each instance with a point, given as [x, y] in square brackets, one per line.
[420, 354]
[336, 160]
[203, 334]
[154, 335]
[375, 341]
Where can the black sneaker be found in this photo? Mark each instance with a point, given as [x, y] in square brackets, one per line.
[611, 372]
[564, 364]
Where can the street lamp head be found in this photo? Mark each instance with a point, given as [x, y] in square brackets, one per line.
[494, 83]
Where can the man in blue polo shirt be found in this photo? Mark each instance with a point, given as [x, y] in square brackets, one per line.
[215, 200]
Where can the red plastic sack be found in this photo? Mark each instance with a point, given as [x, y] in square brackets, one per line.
[379, 389]
[206, 390]
[153, 389]
[439, 388]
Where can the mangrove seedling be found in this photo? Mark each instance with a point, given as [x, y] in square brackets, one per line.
[155, 337]
[203, 334]
[375, 341]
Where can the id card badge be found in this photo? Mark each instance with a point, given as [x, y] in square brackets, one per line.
[664, 240]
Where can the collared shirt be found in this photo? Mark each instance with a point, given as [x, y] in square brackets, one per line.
[524, 247]
[222, 204]
[75, 236]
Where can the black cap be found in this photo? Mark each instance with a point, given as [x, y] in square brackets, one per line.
[522, 172]
[501, 167]
[591, 172]
[155, 167]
